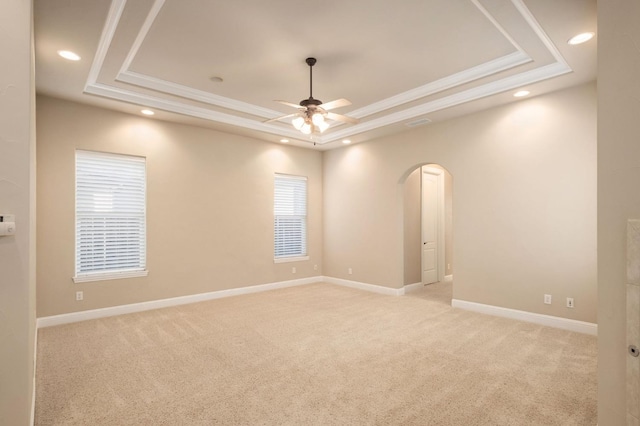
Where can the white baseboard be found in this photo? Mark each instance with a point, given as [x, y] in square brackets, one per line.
[448, 278]
[410, 288]
[364, 286]
[194, 298]
[164, 303]
[547, 320]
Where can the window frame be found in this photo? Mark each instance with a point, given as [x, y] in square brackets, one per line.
[86, 275]
[298, 256]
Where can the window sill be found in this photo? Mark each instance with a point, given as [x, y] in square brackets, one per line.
[290, 259]
[109, 276]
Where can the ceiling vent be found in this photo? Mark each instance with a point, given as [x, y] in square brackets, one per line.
[419, 122]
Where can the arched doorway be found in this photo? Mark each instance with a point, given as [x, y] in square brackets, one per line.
[428, 226]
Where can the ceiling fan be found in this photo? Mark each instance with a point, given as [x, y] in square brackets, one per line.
[312, 113]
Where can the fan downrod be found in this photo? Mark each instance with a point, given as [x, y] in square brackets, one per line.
[310, 101]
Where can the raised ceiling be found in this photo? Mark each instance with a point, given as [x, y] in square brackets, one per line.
[401, 63]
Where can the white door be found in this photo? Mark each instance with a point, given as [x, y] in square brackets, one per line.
[432, 225]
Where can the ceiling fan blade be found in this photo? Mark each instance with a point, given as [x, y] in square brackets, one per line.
[282, 118]
[343, 118]
[289, 104]
[335, 104]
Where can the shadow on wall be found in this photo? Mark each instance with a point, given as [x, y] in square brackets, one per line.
[434, 230]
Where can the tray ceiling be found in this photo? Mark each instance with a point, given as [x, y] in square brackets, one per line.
[399, 63]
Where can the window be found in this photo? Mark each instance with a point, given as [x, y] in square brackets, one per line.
[290, 218]
[110, 216]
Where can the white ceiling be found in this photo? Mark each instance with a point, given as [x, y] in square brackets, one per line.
[397, 62]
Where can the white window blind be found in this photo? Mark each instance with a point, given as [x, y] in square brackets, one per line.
[110, 216]
[290, 216]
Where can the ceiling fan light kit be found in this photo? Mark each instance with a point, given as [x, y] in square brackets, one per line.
[312, 113]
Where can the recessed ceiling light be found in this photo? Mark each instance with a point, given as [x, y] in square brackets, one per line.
[581, 38]
[521, 93]
[284, 140]
[147, 112]
[346, 141]
[216, 79]
[69, 55]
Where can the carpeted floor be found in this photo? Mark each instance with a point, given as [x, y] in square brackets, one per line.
[317, 354]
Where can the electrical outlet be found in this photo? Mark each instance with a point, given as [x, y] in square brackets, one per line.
[79, 295]
[293, 270]
[315, 267]
[569, 302]
[350, 271]
[547, 299]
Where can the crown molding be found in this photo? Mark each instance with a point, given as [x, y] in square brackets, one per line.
[142, 34]
[548, 71]
[118, 93]
[466, 76]
[126, 75]
[537, 29]
[192, 94]
[497, 25]
[109, 30]
[493, 67]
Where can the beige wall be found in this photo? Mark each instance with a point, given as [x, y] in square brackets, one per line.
[524, 203]
[448, 223]
[618, 194]
[413, 228]
[209, 207]
[17, 196]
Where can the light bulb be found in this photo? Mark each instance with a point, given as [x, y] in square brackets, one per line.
[306, 128]
[317, 118]
[297, 122]
[323, 126]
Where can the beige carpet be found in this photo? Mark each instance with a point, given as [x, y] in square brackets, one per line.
[315, 355]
